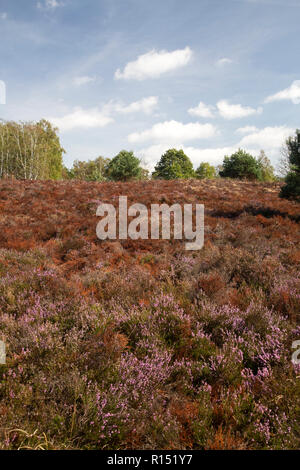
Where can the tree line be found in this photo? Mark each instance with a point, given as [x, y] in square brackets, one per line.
[173, 164]
[32, 150]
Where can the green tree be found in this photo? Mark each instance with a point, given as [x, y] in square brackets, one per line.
[267, 170]
[205, 170]
[30, 150]
[174, 164]
[145, 174]
[67, 174]
[241, 165]
[124, 167]
[50, 147]
[92, 170]
[284, 166]
[291, 189]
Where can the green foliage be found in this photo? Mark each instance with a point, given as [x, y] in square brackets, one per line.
[174, 164]
[267, 170]
[50, 144]
[205, 170]
[67, 174]
[144, 175]
[30, 150]
[124, 167]
[241, 165]
[293, 145]
[291, 190]
[92, 170]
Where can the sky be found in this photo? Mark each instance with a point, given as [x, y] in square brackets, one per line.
[207, 76]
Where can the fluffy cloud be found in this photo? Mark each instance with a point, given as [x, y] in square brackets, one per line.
[80, 118]
[291, 93]
[246, 130]
[78, 81]
[151, 155]
[202, 110]
[153, 64]
[224, 61]
[234, 111]
[49, 4]
[174, 131]
[145, 105]
[214, 156]
[269, 138]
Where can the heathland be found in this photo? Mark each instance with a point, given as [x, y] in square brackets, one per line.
[140, 344]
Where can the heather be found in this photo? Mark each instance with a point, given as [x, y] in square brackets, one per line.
[141, 344]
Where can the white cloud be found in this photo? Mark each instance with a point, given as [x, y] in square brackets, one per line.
[153, 64]
[49, 4]
[291, 93]
[3, 16]
[174, 131]
[151, 155]
[269, 138]
[234, 111]
[80, 118]
[202, 110]
[246, 130]
[224, 61]
[78, 81]
[214, 156]
[145, 105]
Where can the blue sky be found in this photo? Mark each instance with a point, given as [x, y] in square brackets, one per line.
[207, 76]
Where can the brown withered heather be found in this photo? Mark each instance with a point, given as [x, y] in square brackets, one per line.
[141, 344]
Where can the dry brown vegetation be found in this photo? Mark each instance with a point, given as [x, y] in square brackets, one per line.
[141, 344]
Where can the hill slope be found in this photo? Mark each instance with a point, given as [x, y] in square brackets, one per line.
[142, 344]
